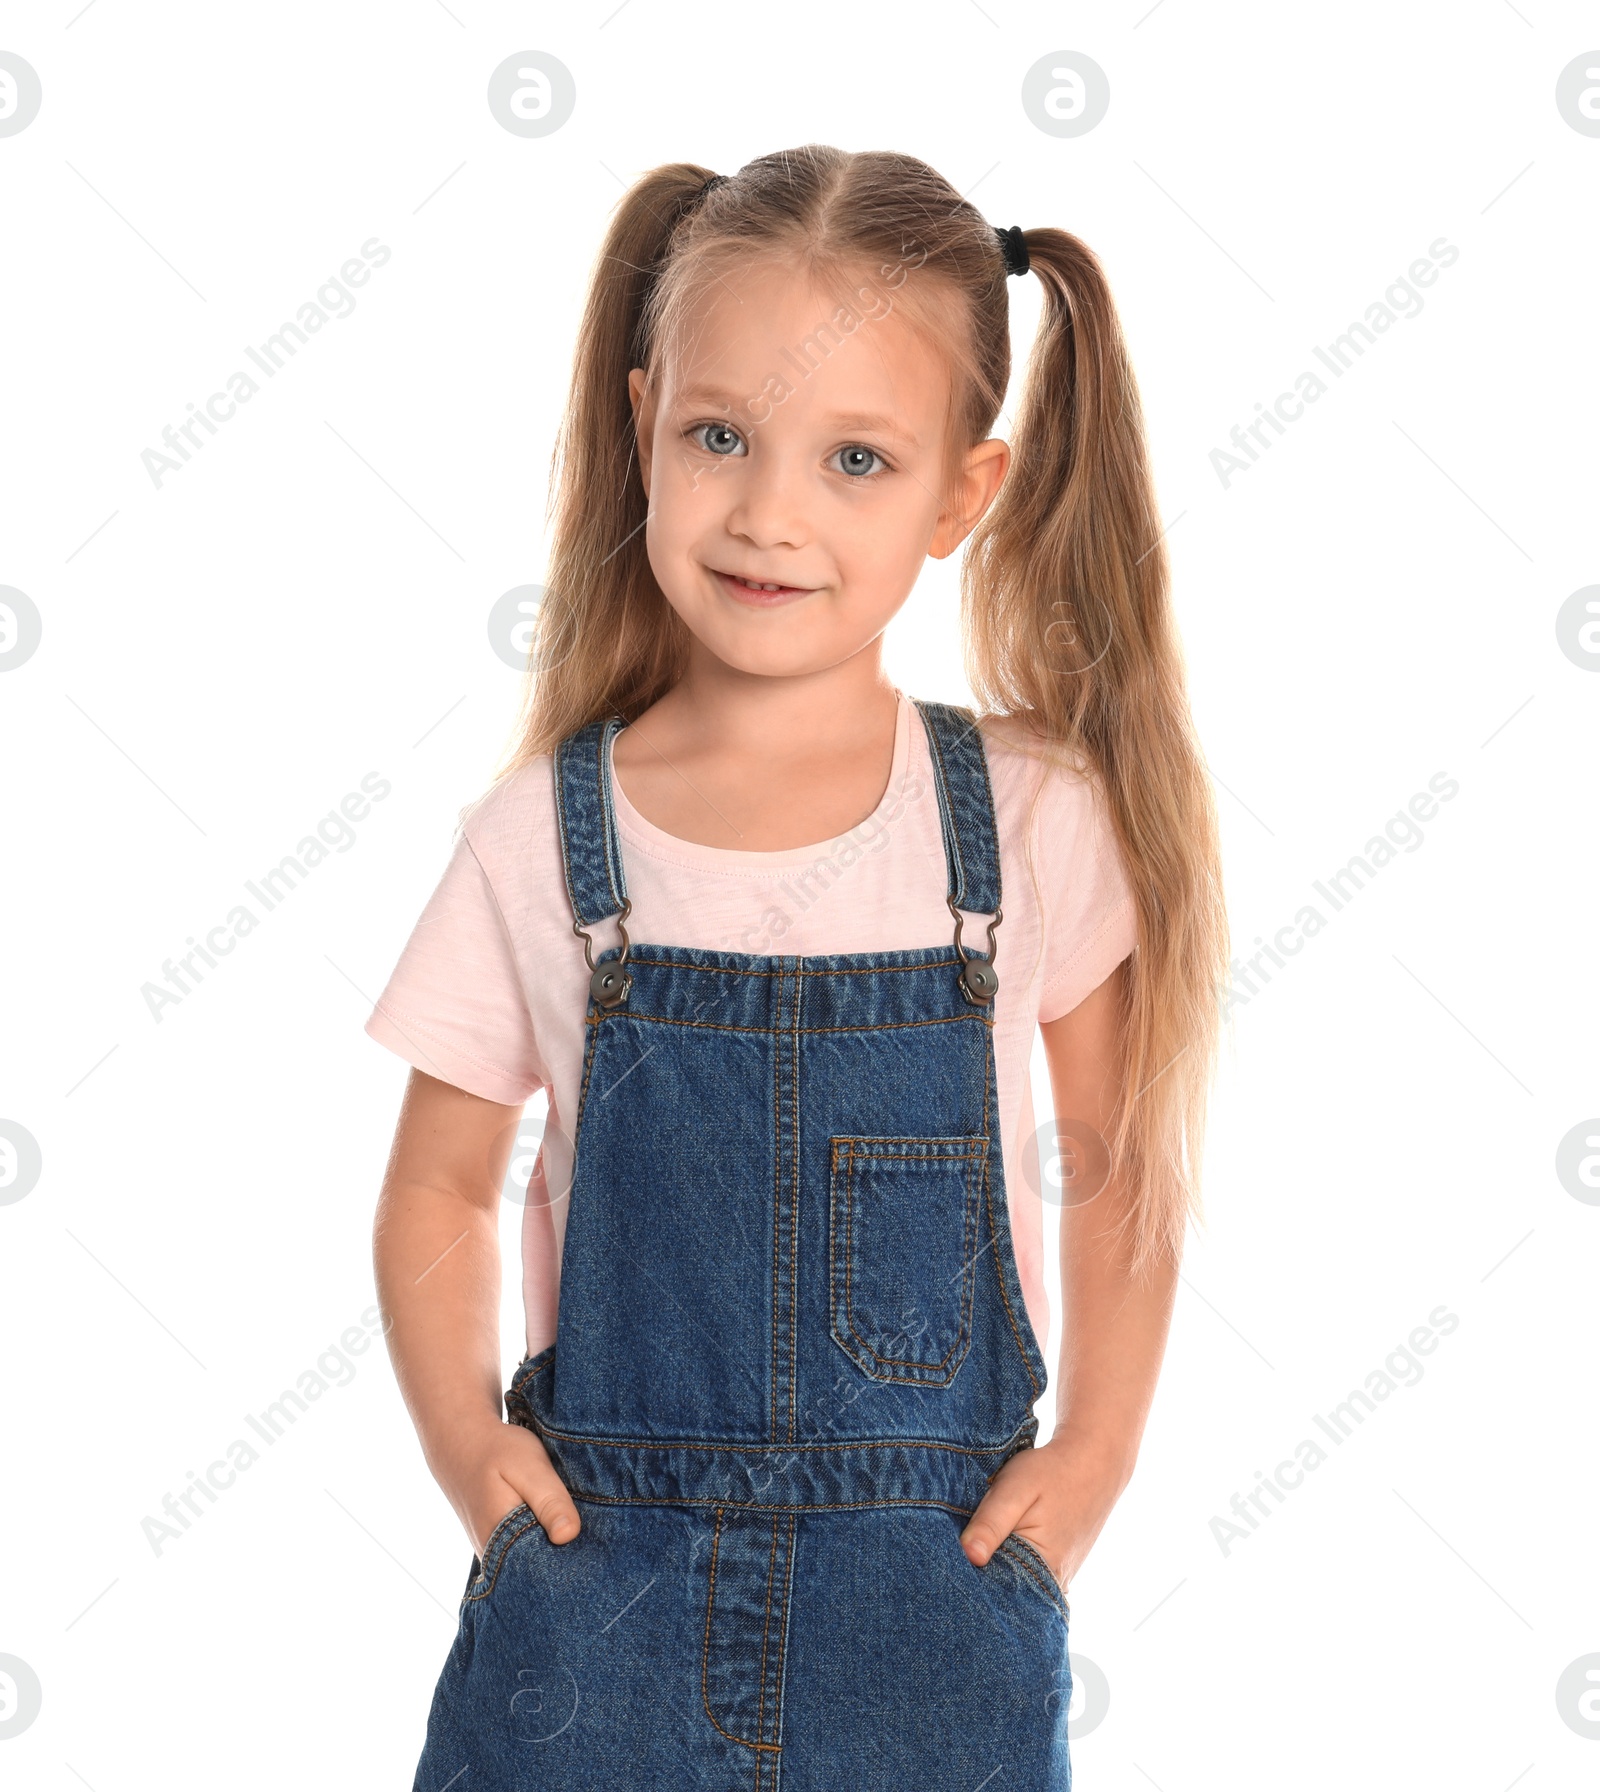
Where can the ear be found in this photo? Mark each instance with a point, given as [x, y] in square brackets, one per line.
[644, 421]
[982, 470]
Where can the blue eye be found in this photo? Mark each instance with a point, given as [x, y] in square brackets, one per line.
[718, 438]
[857, 461]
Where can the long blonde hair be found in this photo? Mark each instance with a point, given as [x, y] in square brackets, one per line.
[1066, 618]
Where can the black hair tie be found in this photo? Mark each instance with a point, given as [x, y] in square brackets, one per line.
[715, 181]
[1014, 249]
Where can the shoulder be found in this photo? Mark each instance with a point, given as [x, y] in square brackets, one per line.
[1042, 780]
[1076, 870]
[517, 810]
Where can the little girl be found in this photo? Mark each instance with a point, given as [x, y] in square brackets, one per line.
[765, 1508]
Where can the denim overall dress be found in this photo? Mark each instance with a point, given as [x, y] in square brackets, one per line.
[791, 1351]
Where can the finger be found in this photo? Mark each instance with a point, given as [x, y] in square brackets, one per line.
[993, 1521]
[546, 1494]
[543, 1490]
[556, 1511]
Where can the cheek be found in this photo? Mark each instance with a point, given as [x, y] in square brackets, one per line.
[894, 531]
[682, 493]
[689, 501]
[881, 547]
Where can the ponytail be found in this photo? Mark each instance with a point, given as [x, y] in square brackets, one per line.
[1065, 594]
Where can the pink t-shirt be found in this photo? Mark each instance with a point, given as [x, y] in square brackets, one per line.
[491, 990]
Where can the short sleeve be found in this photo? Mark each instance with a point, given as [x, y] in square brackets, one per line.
[454, 1006]
[1091, 921]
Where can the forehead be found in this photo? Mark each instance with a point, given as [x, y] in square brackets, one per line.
[846, 346]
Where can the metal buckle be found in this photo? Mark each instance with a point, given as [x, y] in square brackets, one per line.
[979, 982]
[610, 982]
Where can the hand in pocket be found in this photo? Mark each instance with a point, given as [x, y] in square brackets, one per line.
[491, 1471]
[1056, 1499]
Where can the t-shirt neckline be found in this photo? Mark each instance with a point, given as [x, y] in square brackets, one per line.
[659, 844]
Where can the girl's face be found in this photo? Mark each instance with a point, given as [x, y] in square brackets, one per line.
[793, 456]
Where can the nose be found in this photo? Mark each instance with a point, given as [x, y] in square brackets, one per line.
[769, 509]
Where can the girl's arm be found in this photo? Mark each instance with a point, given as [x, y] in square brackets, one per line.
[1114, 1329]
[436, 1252]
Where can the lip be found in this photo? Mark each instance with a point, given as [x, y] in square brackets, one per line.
[759, 600]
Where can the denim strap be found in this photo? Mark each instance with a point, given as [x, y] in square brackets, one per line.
[966, 806]
[591, 852]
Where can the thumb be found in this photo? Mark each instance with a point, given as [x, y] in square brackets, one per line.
[994, 1519]
[546, 1494]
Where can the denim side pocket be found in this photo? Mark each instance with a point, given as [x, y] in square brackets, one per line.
[511, 1529]
[1033, 1568]
[902, 1248]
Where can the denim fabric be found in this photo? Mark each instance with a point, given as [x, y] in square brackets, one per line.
[791, 1352]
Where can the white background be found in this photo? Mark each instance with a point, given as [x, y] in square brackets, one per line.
[224, 657]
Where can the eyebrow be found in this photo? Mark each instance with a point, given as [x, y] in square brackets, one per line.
[873, 422]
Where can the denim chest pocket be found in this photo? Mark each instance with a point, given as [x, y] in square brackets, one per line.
[902, 1250]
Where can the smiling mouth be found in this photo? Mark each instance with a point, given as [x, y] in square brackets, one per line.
[758, 589]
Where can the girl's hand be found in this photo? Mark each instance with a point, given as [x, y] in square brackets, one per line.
[1056, 1497]
[489, 1470]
